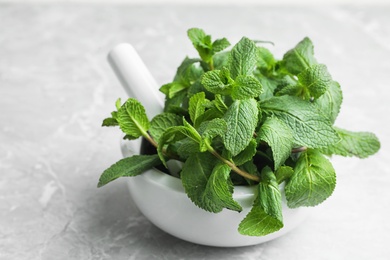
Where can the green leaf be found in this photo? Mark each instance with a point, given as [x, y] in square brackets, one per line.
[300, 57]
[186, 147]
[221, 60]
[128, 167]
[245, 87]
[313, 181]
[359, 144]
[269, 86]
[219, 104]
[188, 72]
[132, 118]
[207, 183]
[217, 81]
[220, 44]
[279, 137]
[265, 60]
[241, 118]
[247, 154]
[219, 190]
[330, 102]
[195, 174]
[265, 216]
[110, 122]
[242, 58]
[172, 89]
[201, 42]
[197, 107]
[161, 122]
[174, 134]
[310, 128]
[316, 80]
[211, 129]
[284, 173]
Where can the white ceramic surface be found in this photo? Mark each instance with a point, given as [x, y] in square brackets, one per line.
[161, 198]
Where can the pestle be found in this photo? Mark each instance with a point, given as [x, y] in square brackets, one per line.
[139, 83]
[135, 78]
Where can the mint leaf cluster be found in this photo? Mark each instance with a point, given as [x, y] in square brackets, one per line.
[240, 116]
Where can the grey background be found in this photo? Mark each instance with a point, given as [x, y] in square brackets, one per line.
[56, 87]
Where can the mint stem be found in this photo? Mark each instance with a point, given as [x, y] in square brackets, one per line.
[233, 166]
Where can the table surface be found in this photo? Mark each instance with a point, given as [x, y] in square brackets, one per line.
[56, 87]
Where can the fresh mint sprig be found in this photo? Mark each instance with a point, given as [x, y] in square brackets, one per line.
[242, 117]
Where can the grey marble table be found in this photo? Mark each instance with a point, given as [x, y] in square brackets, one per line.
[56, 87]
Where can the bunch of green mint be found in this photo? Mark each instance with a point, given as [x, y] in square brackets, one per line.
[242, 117]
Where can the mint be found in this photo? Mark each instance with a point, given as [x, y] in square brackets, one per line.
[128, 167]
[132, 118]
[279, 137]
[241, 119]
[210, 130]
[310, 128]
[244, 117]
[161, 122]
[315, 80]
[242, 59]
[247, 154]
[359, 144]
[265, 61]
[300, 57]
[265, 216]
[207, 183]
[245, 87]
[312, 182]
[197, 107]
[329, 103]
[205, 47]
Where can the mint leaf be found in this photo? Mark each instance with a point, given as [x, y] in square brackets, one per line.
[132, 118]
[313, 181]
[220, 44]
[265, 216]
[161, 122]
[110, 122]
[201, 42]
[172, 89]
[219, 190]
[218, 81]
[300, 57]
[195, 174]
[211, 129]
[246, 87]
[204, 46]
[265, 60]
[207, 183]
[284, 173]
[279, 137]
[241, 118]
[242, 60]
[188, 72]
[219, 104]
[316, 80]
[330, 102]
[197, 107]
[359, 144]
[269, 86]
[174, 134]
[310, 128]
[186, 147]
[128, 167]
[247, 154]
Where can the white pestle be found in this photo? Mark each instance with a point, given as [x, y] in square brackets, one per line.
[139, 83]
[136, 79]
